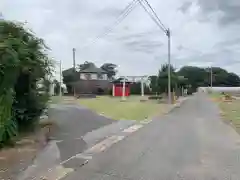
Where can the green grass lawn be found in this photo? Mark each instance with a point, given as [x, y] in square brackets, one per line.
[215, 95]
[131, 109]
[231, 112]
[62, 99]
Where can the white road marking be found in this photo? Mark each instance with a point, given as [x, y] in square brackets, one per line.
[84, 156]
[102, 146]
[146, 121]
[133, 128]
[59, 172]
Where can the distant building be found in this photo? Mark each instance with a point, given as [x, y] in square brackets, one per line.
[232, 90]
[92, 80]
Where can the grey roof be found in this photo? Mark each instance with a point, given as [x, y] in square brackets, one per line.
[67, 72]
[93, 69]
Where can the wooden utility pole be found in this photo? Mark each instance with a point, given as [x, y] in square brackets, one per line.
[142, 87]
[74, 67]
[169, 66]
[74, 60]
[211, 78]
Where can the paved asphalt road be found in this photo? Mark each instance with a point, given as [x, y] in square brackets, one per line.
[73, 123]
[77, 130]
[190, 143]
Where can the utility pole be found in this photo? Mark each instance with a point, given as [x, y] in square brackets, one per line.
[60, 68]
[142, 87]
[124, 89]
[74, 61]
[168, 33]
[211, 77]
[157, 20]
[74, 67]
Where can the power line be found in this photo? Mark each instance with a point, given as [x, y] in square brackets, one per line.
[126, 11]
[121, 17]
[158, 22]
[155, 14]
[153, 17]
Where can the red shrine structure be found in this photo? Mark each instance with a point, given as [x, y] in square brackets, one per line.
[118, 89]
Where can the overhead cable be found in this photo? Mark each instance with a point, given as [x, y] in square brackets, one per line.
[153, 17]
[126, 11]
[155, 14]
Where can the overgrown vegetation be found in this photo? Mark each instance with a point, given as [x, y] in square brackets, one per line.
[24, 66]
[191, 77]
[229, 108]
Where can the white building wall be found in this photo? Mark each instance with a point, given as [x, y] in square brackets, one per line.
[219, 89]
[105, 77]
[82, 76]
[93, 76]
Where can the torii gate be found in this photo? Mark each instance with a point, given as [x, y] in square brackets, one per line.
[134, 80]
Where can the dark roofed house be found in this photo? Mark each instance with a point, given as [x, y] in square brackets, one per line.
[92, 80]
[93, 73]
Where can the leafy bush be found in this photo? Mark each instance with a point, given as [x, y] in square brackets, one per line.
[23, 62]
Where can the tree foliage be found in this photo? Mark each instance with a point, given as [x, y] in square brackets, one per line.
[154, 83]
[232, 80]
[135, 88]
[23, 63]
[85, 65]
[70, 76]
[192, 77]
[163, 78]
[198, 77]
[110, 69]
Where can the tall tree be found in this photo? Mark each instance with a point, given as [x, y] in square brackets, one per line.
[195, 76]
[85, 65]
[219, 76]
[233, 80]
[110, 69]
[70, 76]
[154, 83]
[163, 78]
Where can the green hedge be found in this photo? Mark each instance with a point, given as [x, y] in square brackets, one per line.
[23, 62]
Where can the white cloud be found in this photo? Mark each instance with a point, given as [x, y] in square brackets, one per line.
[136, 45]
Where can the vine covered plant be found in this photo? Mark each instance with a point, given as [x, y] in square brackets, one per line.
[23, 63]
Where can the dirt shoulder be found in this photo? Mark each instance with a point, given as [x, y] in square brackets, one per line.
[15, 159]
[229, 110]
